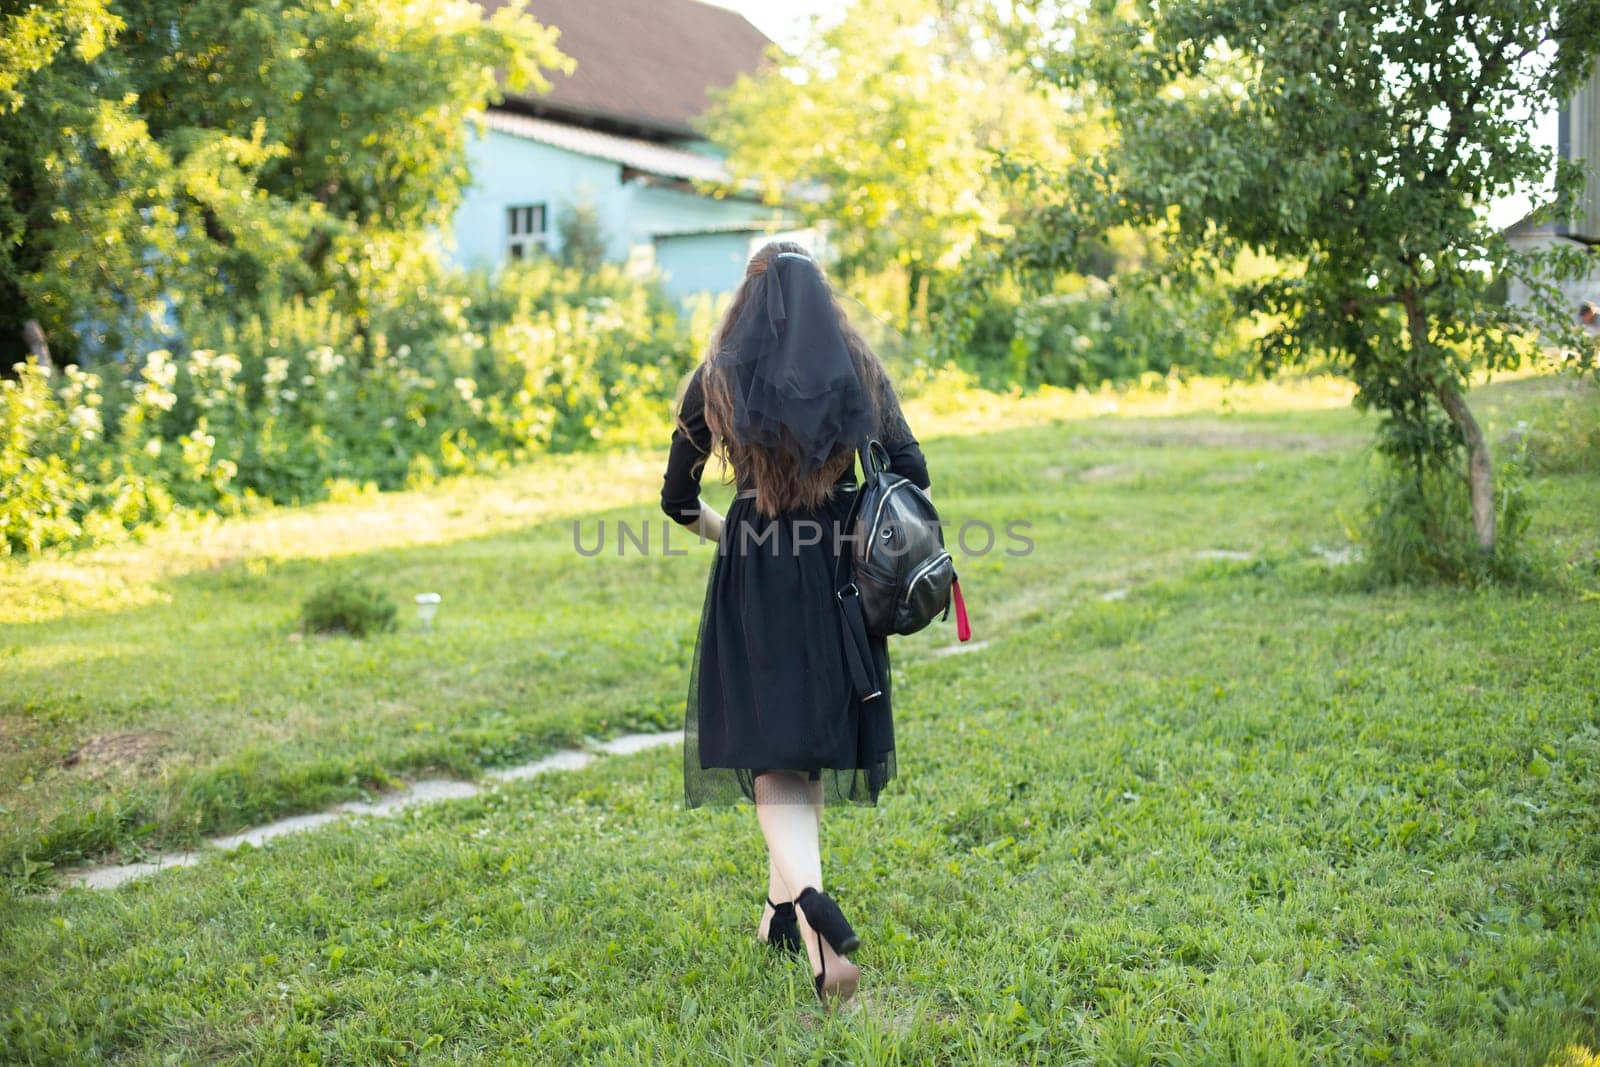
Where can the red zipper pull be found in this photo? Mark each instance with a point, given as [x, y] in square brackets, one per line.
[963, 627]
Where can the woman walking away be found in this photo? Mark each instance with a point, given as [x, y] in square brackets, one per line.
[787, 393]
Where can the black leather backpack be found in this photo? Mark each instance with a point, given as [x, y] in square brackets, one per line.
[899, 575]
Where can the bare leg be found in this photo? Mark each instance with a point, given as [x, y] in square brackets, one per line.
[786, 807]
[816, 812]
[777, 890]
[789, 823]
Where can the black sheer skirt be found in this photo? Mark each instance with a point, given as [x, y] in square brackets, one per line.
[770, 688]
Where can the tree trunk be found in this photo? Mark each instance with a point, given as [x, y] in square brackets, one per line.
[33, 337]
[1480, 468]
[913, 284]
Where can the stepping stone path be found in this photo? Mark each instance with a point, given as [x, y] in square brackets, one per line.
[1336, 557]
[428, 791]
[1225, 553]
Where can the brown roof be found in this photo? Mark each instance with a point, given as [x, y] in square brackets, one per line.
[645, 63]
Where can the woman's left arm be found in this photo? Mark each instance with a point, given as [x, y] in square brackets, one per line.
[686, 460]
[708, 523]
[905, 454]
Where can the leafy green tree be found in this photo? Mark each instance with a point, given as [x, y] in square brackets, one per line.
[34, 33]
[1357, 145]
[65, 144]
[886, 126]
[157, 156]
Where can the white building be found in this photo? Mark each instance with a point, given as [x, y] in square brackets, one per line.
[1578, 138]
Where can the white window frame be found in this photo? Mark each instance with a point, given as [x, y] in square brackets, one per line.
[527, 230]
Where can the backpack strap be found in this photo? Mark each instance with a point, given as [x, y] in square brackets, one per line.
[853, 621]
[857, 649]
[874, 457]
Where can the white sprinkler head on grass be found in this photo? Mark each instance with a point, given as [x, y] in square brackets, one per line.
[427, 605]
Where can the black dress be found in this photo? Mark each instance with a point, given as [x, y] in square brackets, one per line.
[770, 688]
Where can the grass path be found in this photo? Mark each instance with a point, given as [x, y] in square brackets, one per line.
[1245, 812]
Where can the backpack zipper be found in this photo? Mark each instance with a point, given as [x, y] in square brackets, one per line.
[884, 499]
[922, 572]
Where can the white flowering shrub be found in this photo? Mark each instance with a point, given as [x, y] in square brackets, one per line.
[485, 372]
[62, 480]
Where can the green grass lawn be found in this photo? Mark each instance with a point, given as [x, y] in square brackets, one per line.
[1243, 811]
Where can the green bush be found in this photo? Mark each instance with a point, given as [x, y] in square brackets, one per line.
[569, 358]
[348, 605]
[476, 373]
[1090, 331]
[73, 471]
[1418, 528]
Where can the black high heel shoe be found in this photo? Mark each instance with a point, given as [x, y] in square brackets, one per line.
[828, 923]
[783, 931]
[824, 916]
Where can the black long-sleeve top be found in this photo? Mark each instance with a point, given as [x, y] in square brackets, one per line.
[691, 446]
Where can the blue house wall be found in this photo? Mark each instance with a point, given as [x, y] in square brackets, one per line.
[508, 170]
[702, 262]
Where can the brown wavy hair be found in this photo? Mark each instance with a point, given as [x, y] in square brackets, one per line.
[779, 483]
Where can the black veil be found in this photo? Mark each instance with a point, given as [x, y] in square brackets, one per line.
[794, 387]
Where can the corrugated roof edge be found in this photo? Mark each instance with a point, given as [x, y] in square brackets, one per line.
[639, 154]
[754, 226]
